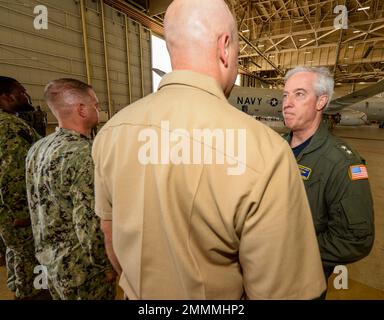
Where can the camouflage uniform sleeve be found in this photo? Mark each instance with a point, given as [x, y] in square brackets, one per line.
[14, 145]
[87, 224]
[350, 232]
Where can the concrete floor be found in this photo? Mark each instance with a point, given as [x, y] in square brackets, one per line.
[366, 277]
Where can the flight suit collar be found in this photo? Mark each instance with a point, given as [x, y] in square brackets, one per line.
[193, 79]
[318, 139]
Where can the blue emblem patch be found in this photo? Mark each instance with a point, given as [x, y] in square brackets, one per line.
[305, 172]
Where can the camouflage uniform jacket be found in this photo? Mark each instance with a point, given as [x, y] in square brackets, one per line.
[67, 233]
[16, 137]
[341, 202]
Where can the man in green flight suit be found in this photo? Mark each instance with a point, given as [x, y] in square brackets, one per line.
[335, 176]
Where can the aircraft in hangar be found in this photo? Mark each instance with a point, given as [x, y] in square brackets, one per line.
[354, 109]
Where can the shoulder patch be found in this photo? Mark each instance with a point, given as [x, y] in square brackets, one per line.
[358, 172]
[305, 172]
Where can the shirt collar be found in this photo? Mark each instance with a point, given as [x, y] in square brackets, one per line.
[72, 132]
[193, 79]
[317, 140]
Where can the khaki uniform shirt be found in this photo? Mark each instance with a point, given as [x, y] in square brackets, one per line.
[230, 221]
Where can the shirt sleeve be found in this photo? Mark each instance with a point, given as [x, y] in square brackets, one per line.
[278, 252]
[103, 205]
[349, 234]
[87, 224]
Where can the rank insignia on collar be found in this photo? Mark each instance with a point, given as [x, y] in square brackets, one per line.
[305, 172]
[358, 172]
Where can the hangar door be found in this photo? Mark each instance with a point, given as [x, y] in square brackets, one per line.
[82, 39]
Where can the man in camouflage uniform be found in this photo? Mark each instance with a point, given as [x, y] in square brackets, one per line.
[334, 175]
[69, 242]
[16, 137]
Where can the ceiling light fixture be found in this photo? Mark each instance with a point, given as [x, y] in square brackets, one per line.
[350, 47]
[297, 21]
[363, 8]
[244, 31]
[303, 39]
[356, 31]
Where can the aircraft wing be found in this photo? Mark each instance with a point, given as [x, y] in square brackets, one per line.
[159, 72]
[357, 96]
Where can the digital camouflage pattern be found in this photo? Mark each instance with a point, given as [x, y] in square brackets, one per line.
[68, 238]
[16, 137]
[95, 288]
[36, 118]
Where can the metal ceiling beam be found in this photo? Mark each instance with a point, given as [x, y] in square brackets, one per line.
[135, 14]
[158, 6]
[322, 29]
[261, 54]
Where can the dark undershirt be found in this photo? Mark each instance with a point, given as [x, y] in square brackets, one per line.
[296, 150]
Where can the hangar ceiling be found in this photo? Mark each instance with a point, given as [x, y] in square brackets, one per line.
[277, 35]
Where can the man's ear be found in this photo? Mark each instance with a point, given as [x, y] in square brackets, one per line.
[321, 102]
[80, 107]
[223, 46]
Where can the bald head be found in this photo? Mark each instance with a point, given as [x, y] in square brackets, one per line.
[202, 36]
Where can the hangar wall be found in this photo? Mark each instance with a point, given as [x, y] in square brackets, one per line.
[116, 49]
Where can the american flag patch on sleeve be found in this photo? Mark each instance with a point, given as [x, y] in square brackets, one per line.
[358, 172]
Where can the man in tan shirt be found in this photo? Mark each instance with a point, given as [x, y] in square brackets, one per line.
[197, 199]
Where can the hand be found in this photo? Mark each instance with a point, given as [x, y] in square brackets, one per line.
[111, 276]
[21, 223]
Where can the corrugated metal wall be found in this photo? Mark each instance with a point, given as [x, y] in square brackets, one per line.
[119, 68]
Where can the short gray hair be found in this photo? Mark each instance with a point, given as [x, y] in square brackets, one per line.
[55, 89]
[324, 84]
[61, 94]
